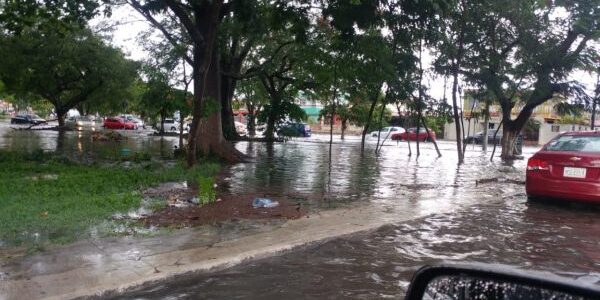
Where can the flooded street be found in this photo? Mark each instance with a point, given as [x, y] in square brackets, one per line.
[455, 216]
[79, 146]
[379, 264]
[491, 223]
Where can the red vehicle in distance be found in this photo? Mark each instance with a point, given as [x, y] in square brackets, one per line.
[118, 123]
[568, 168]
[411, 135]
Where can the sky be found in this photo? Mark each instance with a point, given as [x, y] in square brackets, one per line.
[131, 24]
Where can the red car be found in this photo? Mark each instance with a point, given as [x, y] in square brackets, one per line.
[118, 123]
[568, 167]
[411, 134]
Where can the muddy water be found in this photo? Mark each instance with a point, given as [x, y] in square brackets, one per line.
[379, 265]
[392, 180]
[492, 223]
[79, 145]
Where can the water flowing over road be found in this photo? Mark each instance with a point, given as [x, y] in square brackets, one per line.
[492, 223]
[475, 212]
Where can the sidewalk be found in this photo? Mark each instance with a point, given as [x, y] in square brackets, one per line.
[90, 269]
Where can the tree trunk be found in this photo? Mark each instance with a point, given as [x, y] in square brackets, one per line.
[437, 149]
[508, 140]
[210, 139]
[486, 125]
[379, 131]
[344, 126]
[251, 123]
[181, 120]
[162, 123]
[227, 91]
[208, 24]
[366, 128]
[60, 115]
[457, 119]
[595, 99]
[270, 131]
[418, 130]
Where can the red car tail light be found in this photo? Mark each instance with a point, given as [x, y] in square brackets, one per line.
[534, 164]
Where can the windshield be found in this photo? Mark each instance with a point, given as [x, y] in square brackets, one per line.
[575, 143]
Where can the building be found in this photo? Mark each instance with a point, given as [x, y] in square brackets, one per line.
[545, 114]
[311, 107]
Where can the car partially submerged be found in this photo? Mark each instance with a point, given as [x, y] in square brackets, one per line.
[478, 138]
[295, 130]
[27, 119]
[83, 122]
[387, 131]
[566, 168]
[412, 135]
[139, 123]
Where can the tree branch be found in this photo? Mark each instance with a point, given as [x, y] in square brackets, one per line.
[146, 14]
[186, 20]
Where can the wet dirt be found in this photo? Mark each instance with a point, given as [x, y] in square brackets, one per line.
[228, 208]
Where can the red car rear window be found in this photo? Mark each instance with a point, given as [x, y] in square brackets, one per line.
[575, 143]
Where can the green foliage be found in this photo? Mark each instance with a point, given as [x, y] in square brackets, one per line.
[286, 110]
[65, 69]
[47, 199]
[61, 15]
[206, 190]
[527, 48]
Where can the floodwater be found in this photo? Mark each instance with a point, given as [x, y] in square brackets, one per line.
[79, 145]
[456, 219]
[492, 223]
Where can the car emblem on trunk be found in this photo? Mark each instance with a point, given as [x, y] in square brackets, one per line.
[575, 158]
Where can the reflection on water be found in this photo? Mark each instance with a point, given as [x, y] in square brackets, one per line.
[490, 223]
[392, 180]
[498, 226]
[78, 145]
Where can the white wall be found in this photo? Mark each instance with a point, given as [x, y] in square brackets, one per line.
[549, 131]
[450, 128]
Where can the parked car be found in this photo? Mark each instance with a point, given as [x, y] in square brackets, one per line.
[294, 130]
[566, 168]
[82, 122]
[27, 119]
[240, 128]
[478, 137]
[139, 123]
[118, 123]
[411, 135]
[170, 125]
[386, 131]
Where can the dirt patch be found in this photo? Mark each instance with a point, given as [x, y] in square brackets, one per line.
[230, 207]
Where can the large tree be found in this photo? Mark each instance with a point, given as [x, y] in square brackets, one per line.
[65, 68]
[524, 52]
[197, 24]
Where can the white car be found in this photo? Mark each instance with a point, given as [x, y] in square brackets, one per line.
[386, 132]
[240, 128]
[83, 122]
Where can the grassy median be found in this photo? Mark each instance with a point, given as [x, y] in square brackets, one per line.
[47, 198]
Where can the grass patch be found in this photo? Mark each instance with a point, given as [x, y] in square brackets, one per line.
[206, 190]
[46, 198]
